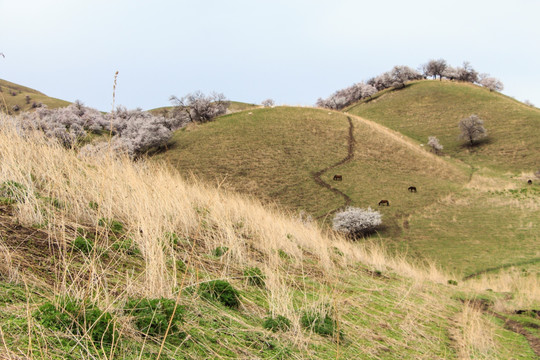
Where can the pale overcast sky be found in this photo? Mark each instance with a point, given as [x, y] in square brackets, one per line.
[293, 51]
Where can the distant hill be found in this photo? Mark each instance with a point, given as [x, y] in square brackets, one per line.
[15, 95]
[434, 108]
[235, 106]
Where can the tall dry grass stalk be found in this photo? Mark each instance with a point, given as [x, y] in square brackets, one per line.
[474, 334]
[525, 288]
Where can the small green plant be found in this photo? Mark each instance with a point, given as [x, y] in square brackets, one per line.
[220, 251]
[283, 255]
[83, 244]
[152, 316]
[77, 317]
[126, 245]
[113, 225]
[320, 322]
[452, 282]
[221, 291]
[279, 323]
[172, 238]
[255, 276]
[93, 205]
[181, 266]
[13, 190]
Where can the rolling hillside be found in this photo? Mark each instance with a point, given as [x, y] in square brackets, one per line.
[434, 108]
[459, 219]
[15, 95]
[112, 259]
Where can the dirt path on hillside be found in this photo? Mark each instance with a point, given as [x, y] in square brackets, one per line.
[317, 176]
[516, 327]
[500, 267]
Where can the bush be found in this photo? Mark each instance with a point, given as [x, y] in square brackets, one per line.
[435, 145]
[268, 103]
[356, 221]
[254, 276]
[452, 282]
[221, 291]
[152, 316]
[113, 225]
[78, 317]
[84, 245]
[320, 322]
[220, 251]
[126, 245]
[279, 323]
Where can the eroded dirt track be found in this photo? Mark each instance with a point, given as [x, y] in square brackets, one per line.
[350, 154]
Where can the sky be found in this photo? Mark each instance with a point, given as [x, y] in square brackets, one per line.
[292, 51]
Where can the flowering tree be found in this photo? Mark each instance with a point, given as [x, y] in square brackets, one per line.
[356, 221]
[198, 107]
[472, 129]
[435, 145]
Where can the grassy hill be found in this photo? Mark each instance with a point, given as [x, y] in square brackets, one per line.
[15, 95]
[88, 245]
[466, 222]
[434, 108]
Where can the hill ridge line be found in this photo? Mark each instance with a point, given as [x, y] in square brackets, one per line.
[350, 154]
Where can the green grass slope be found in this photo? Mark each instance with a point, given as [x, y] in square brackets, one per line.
[466, 223]
[434, 108]
[7, 99]
[274, 153]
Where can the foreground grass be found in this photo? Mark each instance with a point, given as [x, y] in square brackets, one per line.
[434, 108]
[155, 235]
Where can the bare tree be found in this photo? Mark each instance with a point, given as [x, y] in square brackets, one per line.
[268, 103]
[491, 83]
[472, 128]
[435, 68]
[435, 145]
[199, 107]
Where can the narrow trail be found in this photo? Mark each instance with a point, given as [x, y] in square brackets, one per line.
[317, 176]
[500, 267]
[516, 327]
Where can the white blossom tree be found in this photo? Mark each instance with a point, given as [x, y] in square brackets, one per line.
[472, 129]
[356, 221]
[435, 145]
[491, 83]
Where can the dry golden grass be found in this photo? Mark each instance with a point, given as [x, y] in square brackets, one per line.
[474, 334]
[151, 201]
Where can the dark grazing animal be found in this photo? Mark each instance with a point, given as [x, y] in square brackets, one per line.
[383, 202]
[412, 188]
[529, 182]
[338, 177]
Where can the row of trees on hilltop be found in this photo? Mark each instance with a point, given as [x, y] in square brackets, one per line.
[399, 75]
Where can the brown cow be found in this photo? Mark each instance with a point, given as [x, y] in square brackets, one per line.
[338, 177]
[382, 202]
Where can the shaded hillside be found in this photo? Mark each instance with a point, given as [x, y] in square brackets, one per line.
[16, 95]
[434, 108]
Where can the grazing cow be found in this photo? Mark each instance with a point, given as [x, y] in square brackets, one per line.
[529, 182]
[412, 188]
[338, 177]
[382, 202]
